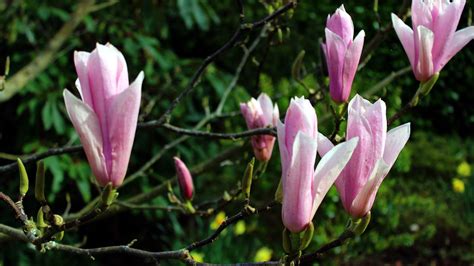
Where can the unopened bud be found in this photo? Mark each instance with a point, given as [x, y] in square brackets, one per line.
[185, 179]
[24, 183]
[39, 185]
[247, 179]
[40, 219]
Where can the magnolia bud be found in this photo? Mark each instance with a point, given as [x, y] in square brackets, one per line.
[247, 179]
[185, 179]
[24, 183]
[39, 185]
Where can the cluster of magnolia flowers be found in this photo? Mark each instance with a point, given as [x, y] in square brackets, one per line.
[106, 118]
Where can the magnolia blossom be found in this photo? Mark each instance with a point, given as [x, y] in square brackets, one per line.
[372, 159]
[106, 117]
[342, 53]
[433, 41]
[185, 180]
[261, 113]
[304, 187]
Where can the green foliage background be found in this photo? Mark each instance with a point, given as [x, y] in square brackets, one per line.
[417, 217]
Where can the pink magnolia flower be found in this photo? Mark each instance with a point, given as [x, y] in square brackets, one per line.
[106, 118]
[185, 180]
[433, 41]
[304, 187]
[260, 114]
[372, 159]
[342, 53]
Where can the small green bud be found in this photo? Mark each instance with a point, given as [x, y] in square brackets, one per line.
[24, 183]
[40, 219]
[39, 185]
[280, 35]
[59, 236]
[247, 179]
[58, 220]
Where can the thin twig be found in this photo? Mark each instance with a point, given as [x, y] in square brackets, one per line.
[229, 221]
[212, 135]
[19, 213]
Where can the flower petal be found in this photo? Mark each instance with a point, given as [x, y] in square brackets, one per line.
[444, 27]
[335, 52]
[425, 66]
[324, 145]
[351, 63]
[460, 39]
[87, 126]
[297, 199]
[285, 160]
[123, 123]
[267, 108]
[329, 169]
[366, 197]
[405, 34]
[82, 83]
[396, 140]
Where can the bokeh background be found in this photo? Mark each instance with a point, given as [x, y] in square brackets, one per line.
[424, 212]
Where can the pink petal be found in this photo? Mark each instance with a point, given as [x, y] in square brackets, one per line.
[324, 145]
[366, 197]
[351, 62]
[358, 169]
[87, 126]
[267, 108]
[297, 198]
[341, 24]
[329, 169]
[421, 14]
[424, 67]
[122, 125]
[276, 115]
[377, 117]
[443, 28]
[460, 39]
[247, 114]
[405, 34]
[335, 52]
[300, 116]
[396, 140]
[82, 84]
[122, 70]
[285, 157]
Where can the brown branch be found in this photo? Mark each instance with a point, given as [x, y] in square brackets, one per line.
[229, 221]
[242, 28]
[19, 212]
[28, 159]
[331, 245]
[211, 135]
